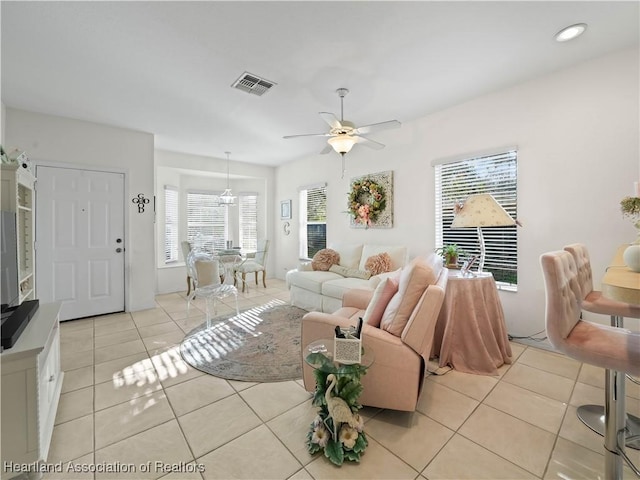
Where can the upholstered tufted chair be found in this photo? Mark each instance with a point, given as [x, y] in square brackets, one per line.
[617, 350]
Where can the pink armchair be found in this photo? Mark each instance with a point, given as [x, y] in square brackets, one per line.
[396, 378]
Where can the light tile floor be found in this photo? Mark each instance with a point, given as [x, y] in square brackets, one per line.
[130, 401]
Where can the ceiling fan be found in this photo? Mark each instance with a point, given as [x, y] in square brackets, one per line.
[343, 134]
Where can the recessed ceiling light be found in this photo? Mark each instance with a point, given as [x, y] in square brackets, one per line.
[570, 32]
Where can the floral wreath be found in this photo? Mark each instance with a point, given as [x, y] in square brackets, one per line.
[366, 201]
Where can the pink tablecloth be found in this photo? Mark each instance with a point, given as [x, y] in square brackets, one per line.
[470, 334]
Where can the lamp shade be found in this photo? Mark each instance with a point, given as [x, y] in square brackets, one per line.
[481, 210]
[342, 143]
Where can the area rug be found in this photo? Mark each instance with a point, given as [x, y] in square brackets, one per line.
[261, 344]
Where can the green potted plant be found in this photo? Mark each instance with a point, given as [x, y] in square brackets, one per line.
[450, 253]
[630, 207]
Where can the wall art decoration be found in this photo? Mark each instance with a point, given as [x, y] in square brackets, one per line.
[285, 210]
[141, 201]
[370, 201]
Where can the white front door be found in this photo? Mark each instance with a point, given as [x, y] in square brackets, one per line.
[80, 240]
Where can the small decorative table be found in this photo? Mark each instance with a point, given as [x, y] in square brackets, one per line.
[338, 429]
[471, 335]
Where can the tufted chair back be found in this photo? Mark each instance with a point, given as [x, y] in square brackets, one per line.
[601, 345]
[580, 255]
[563, 295]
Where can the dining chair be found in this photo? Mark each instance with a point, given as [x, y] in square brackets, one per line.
[615, 349]
[204, 269]
[594, 302]
[186, 248]
[256, 262]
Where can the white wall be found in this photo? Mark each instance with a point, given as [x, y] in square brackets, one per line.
[578, 136]
[50, 139]
[192, 171]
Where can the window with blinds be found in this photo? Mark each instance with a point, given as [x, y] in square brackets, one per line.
[248, 221]
[170, 224]
[313, 220]
[206, 220]
[455, 181]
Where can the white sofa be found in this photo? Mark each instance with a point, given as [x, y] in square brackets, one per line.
[322, 291]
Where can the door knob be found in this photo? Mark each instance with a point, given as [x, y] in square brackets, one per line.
[118, 240]
[118, 250]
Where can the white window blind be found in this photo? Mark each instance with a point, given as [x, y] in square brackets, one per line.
[455, 181]
[170, 224]
[206, 220]
[248, 211]
[313, 220]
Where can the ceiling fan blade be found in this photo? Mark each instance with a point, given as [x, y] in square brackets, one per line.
[376, 127]
[367, 142]
[331, 119]
[327, 149]
[309, 135]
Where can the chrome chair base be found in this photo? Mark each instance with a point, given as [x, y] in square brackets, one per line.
[593, 417]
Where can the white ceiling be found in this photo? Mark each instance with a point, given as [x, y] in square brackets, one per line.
[167, 67]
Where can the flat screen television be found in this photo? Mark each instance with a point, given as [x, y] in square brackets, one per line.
[10, 296]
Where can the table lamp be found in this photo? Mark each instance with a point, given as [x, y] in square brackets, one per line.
[479, 211]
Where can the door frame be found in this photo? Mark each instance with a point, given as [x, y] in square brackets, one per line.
[93, 168]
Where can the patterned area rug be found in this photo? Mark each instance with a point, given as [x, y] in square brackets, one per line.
[262, 344]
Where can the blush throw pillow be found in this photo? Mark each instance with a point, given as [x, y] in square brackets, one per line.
[377, 264]
[414, 280]
[383, 293]
[324, 258]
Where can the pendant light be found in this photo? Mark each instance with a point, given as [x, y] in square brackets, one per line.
[227, 198]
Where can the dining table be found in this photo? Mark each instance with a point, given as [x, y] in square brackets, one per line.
[620, 282]
[229, 259]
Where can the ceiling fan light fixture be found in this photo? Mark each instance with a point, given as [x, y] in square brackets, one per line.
[342, 143]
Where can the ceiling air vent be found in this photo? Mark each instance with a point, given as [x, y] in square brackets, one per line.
[250, 83]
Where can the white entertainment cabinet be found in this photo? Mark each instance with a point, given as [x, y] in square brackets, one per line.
[17, 189]
[31, 377]
[31, 385]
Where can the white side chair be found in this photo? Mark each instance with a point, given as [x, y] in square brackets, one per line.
[204, 271]
[186, 248]
[256, 263]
